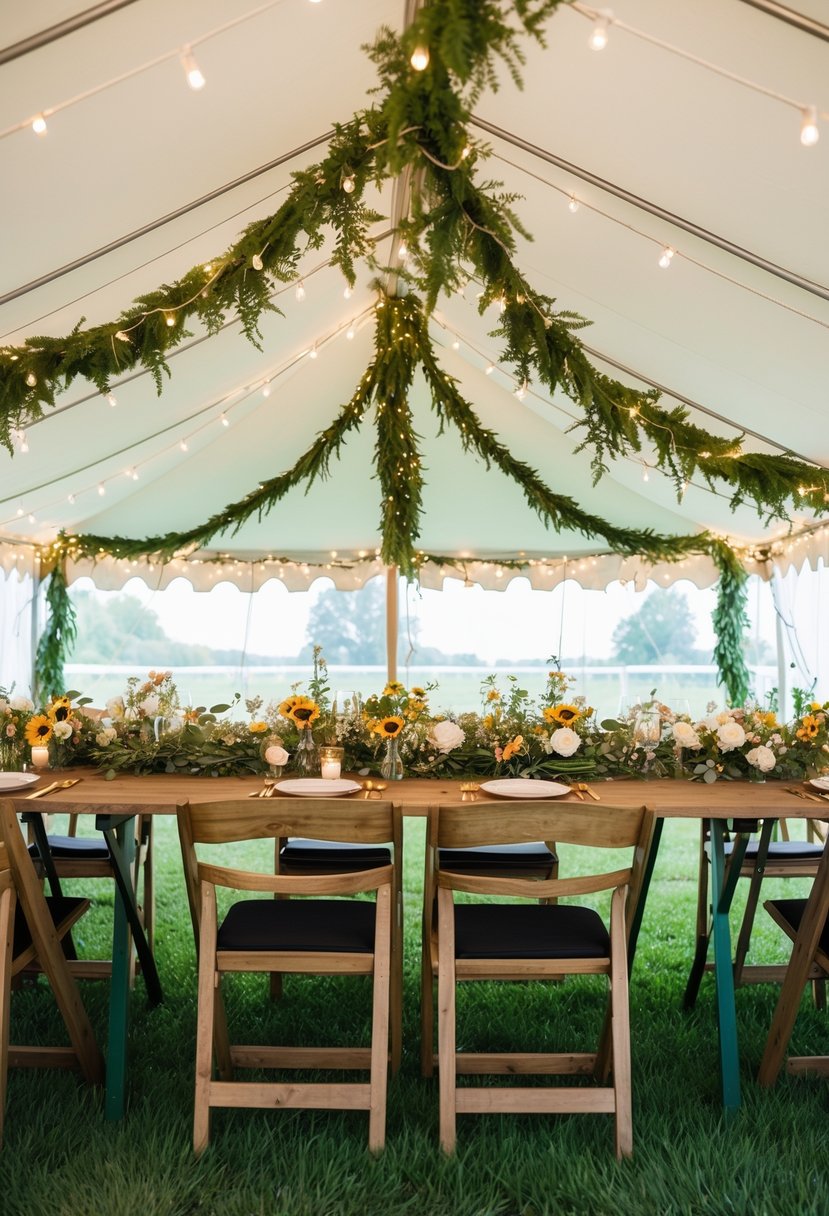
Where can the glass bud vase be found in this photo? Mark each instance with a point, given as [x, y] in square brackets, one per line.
[391, 766]
[307, 758]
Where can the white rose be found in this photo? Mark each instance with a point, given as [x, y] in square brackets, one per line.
[22, 703]
[762, 758]
[276, 755]
[564, 741]
[730, 735]
[685, 735]
[149, 706]
[62, 730]
[115, 707]
[445, 736]
[105, 736]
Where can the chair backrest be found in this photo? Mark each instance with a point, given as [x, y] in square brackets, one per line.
[215, 823]
[607, 827]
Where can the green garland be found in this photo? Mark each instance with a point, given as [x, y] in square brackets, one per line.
[57, 638]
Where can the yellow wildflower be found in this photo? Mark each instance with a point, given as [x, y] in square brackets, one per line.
[38, 729]
[493, 695]
[258, 728]
[513, 747]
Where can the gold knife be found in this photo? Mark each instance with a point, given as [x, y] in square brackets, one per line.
[47, 789]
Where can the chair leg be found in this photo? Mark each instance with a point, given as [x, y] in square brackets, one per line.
[208, 978]
[620, 1027]
[275, 981]
[427, 1010]
[380, 1021]
[396, 983]
[447, 1078]
[703, 930]
[6, 935]
[146, 848]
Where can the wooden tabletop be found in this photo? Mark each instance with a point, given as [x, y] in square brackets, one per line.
[159, 793]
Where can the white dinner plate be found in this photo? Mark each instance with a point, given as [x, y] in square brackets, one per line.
[318, 787]
[525, 787]
[17, 781]
[820, 783]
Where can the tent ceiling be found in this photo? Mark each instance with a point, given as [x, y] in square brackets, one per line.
[713, 327]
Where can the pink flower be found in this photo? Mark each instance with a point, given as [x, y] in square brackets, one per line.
[11, 730]
[499, 751]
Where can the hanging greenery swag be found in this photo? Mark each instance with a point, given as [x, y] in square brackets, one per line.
[455, 230]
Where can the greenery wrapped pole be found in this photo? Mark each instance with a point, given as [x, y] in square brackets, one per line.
[57, 638]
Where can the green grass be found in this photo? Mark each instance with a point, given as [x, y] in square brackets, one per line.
[62, 1159]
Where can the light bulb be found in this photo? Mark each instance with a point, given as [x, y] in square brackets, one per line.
[598, 35]
[349, 184]
[349, 333]
[522, 391]
[225, 421]
[502, 304]
[101, 489]
[665, 257]
[420, 58]
[266, 389]
[347, 292]
[573, 205]
[134, 474]
[24, 443]
[809, 130]
[185, 447]
[256, 262]
[112, 400]
[192, 71]
[645, 475]
[207, 268]
[312, 353]
[170, 319]
[20, 512]
[31, 379]
[402, 251]
[456, 345]
[39, 125]
[300, 291]
[32, 519]
[489, 369]
[70, 498]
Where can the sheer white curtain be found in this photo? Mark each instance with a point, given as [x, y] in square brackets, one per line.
[16, 631]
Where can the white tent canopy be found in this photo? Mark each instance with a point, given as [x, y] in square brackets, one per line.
[717, 168]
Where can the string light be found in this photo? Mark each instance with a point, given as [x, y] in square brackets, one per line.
[194, 74]
[573, 205]
[456, 345]
[666, 257]
[598, 35]
[185, 447]
[521, 392]
[266, 390]
[39, 125]
[809, 130]
[23, 443]
[300, 291]
[31, 379]
[349, 333]
[225, 421]
[312, 353]
[420, 58]
[489, 369]
[101, 489]
[347, 292]
[402, 251]
[349, 184]
[111, 400]
[170, 319]
[70, 498]
[256, 262]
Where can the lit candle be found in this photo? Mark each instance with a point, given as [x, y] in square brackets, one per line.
[40, 757]
[330, 770]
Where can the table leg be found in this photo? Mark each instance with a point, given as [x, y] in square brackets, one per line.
[121, 845]
[722, 891]
[639, 911]
[119, 995]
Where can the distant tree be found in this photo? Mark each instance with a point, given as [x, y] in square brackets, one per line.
[120, 629]
[350, 626]
[662, 631]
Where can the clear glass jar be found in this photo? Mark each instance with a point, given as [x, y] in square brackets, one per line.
[307, 758]
[391, 766]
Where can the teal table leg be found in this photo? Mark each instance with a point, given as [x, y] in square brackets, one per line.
[723, 973]
[119, 1000]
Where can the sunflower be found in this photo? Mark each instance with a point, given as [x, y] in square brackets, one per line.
[393, 689]
[304, 711]
[60, 709]
[390, 728]
[258, 728]
[417, 691]
[287, 705]
[809, 727]
[38, 730]
[563, 714]
[493, 695]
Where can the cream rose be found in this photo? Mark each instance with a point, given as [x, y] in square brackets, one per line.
[115, 708]
[276, 755]
[149, 706]
[445, 736]
[62, 730]
[730, 736]
[22, 703]
[105, 736]
[762, 758]
[564, 741]
[685, 735]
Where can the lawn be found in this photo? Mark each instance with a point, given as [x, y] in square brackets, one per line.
[62, 1159]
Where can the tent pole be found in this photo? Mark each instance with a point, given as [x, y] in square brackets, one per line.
[392, 615]
[36, 580]
[780, 638]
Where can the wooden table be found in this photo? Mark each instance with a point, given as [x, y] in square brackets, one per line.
[722, 801]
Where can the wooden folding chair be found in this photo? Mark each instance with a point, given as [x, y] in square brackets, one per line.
[764, 858]
[519, 942]
[32, 927]
[311, 936]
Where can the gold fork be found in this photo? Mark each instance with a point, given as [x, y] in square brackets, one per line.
[587, 790]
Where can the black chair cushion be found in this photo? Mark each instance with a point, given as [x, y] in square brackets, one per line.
[489, 859]
[331, 856]
[79, 848]
[780, 850]
[60, 906]
[791, 910]
[299, 924]
[529, 931]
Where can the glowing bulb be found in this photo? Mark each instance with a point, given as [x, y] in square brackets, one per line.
[20, 512]
[349, 333]
[489, 369]
[347, 292]
[402, 251]
[522, 391]
[112, 400]
[32, 519]
[300, 291]
[809, 130]
[185, 447]
[24, 443]
[31, 379]
[170, 319]
[192, 71]
[39, 125]
[208, 268]
[645, 475]
[420, 58]
[225, 421]
[256, 262]
[266, 389]
[70, 498]
[598, 35]
[349, 184]
[312, 353]
[502, 304]
[665, 257]
[573, 205]
[101, 489]
[134, 474]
